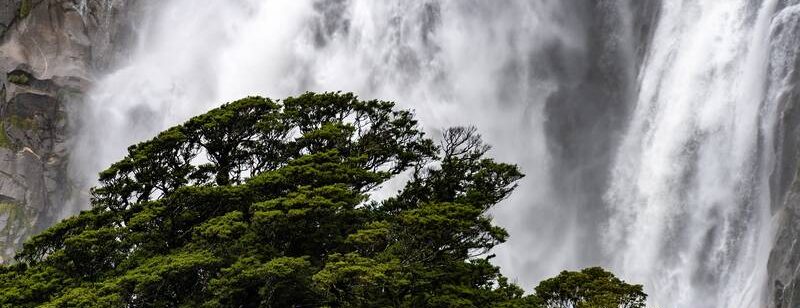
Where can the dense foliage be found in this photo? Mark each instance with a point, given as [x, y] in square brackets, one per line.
[265, 204]
[591, 287]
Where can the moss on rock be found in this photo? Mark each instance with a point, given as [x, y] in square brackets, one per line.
[22, 123]
[14, 224]
[5, 142]
[25, 8]
[19, 78]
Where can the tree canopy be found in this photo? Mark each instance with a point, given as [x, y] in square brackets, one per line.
[589, 288]
[262, 203]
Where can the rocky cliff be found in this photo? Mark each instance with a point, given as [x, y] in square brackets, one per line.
[50, 51]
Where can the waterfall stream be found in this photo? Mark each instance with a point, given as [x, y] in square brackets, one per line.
[646, 128]
[688, 196]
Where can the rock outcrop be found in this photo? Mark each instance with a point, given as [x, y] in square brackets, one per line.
[50, 50]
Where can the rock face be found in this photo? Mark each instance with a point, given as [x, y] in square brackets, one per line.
[50, 50]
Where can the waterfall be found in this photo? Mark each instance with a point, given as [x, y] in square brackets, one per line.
[646, 128]
[452, 62]
[690, 205]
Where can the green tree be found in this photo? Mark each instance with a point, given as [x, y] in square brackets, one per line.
[590, 288]
[263, 203]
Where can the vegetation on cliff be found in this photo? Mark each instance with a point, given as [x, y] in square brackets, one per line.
[266, 204]
[19, 78]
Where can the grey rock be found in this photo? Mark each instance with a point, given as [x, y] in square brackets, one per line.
[48, 59]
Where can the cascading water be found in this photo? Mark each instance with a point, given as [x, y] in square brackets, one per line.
[662, 175]
[689, 201]
[453, 62]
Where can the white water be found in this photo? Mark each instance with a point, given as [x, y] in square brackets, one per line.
[192, 58]
[689, 194]
[687, 199]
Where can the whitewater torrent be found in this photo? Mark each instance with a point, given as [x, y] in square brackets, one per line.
[688, 196]
[648, 147]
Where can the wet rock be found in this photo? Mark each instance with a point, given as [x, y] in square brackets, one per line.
[50, 51]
